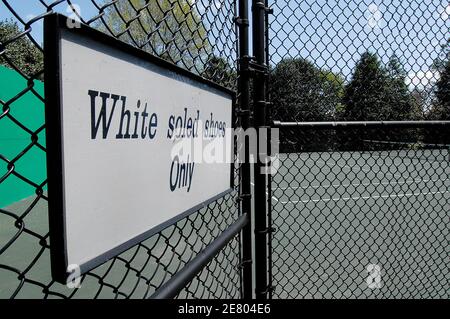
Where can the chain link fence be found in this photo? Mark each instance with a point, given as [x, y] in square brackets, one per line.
[199, 36]
[360, 210]
[340, 211]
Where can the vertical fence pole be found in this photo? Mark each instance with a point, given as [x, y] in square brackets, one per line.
[269, 176]
[260, 199]
[245, 178]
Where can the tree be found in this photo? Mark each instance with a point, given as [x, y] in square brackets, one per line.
[399, 103]
[21, 53]
[332, 92]
[172, 30]
[365, 94]
[419, 100]
[441, 107]
[218, 70]
[302, 92]
[444, 56]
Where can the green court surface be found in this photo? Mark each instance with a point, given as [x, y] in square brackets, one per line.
[336, 213]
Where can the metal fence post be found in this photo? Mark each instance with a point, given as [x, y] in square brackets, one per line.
[245, 178]
[259, 103]
[269, 150]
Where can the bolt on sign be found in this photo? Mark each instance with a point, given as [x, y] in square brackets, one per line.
[116, 117]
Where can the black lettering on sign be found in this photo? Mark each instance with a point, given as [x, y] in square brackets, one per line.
[105, 116]
[181, 174]
[95, 123]
[183, 126]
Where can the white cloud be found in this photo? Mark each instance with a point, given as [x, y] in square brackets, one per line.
[422, 79]
[29, 17]
[374, 16]
[445, 13]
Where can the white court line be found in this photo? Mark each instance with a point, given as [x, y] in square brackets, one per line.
[363, 169]
[364, 184]
[362, 197]
[267, 193]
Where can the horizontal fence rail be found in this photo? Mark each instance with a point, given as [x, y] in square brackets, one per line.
[359, 124]
[171, 288]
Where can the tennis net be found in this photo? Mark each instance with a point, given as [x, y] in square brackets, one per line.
[412, 150]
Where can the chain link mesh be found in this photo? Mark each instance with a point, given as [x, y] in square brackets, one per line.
[346, 201]
[359, 202]
[341, 199]
[197, 35]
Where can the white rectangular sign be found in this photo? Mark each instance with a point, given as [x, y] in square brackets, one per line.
[114, 116]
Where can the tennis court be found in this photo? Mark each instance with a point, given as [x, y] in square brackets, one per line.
[337, 212]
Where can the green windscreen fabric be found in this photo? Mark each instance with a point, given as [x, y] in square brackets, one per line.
[29, 111]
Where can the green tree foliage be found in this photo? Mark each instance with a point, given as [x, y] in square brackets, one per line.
[22, 53]
[365, 94]
[419, 100]
[441, 108]
[438, 102]
[443, 91]
[302, 92]
[440, 62]
[399, 103]
[171, 29]
[376, 92]
[218, 70]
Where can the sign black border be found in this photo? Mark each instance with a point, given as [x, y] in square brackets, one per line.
[53, 24]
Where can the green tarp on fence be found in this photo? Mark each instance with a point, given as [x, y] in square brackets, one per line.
[28, 110]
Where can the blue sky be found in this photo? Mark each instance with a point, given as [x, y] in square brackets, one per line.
[331, 33]
[334, 33]
[28, 9]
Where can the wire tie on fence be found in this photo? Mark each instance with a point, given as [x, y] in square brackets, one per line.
[251, 71]
[247, 58]
[242, 113]
[262, 68]
[263, 103]
[242, 196]
[269, 230]
[262, 6]
[267, 290]
[253, 68]
[243, 263]
[241, 22]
